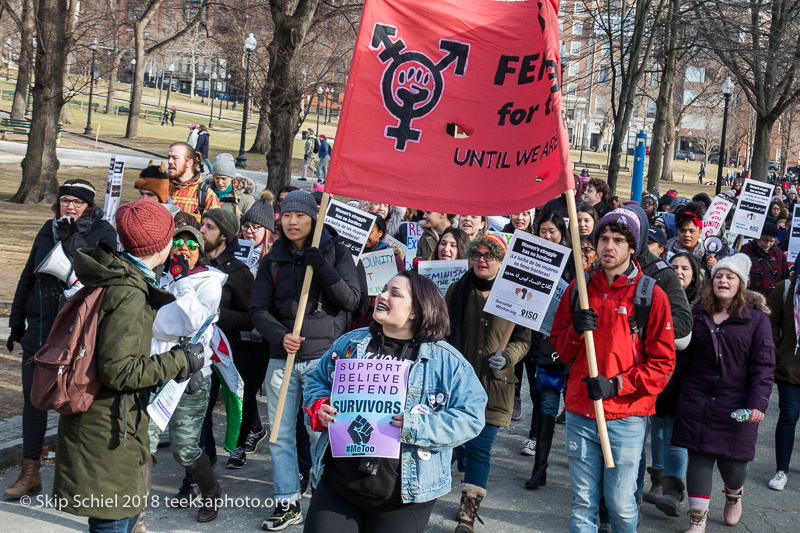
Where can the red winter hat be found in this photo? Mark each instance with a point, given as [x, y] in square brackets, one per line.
[144, 227]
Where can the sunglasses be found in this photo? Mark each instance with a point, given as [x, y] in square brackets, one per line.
[190, 244]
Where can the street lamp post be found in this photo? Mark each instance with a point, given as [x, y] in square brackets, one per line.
[327, 103]
[583, 138]
[133, 75]
[727, 91]
[320, 91]
[200, 71]
[169, 89]
[250, 44]
[219, 116]
[211, 114]
[88, 130]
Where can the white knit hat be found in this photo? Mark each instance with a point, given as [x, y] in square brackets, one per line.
[739, 264]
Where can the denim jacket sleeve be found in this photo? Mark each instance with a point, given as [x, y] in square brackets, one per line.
[319, 382]
[463, 416]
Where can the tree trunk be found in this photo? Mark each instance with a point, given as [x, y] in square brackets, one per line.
[132, 128]
[40, 166]
[283, 85]
[25, 64]
[762, 141]
[261, 144]
[112, 86]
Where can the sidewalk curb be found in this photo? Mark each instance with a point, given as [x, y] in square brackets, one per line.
[118, 144]
[11, 451]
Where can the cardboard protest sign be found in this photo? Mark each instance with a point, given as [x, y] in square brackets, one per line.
[113, 187]
[380, 267]
[550, 314]
[443, 273]
[413, 235]
[527, 280]
[794, 238]
[715, 217]
[391, 241]
[367, 393]
[751, 211]
[352, 224]
[454, 97]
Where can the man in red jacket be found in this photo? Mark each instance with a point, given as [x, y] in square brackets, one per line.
[631, 372]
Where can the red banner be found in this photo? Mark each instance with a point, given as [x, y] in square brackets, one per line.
[490, 68]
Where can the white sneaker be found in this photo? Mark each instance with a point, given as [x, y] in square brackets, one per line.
[529, 447]
[779, 481]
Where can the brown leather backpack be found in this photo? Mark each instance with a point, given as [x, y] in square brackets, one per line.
[65, 378]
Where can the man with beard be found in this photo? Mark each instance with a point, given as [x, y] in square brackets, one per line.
[187, 189]
[632, 370]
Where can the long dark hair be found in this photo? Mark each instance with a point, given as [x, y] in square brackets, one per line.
[432, 321]
[698, 275]
[557, 220]
[461, 239]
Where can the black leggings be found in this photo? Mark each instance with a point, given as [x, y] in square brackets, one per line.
[34, 421]
[252, 366]
[701, 469]
[330, 512]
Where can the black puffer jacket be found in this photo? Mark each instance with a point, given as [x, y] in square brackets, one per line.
[38, 296]
[234, 307]
[334, 294]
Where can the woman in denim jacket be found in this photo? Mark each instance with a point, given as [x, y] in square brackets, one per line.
[444, 407]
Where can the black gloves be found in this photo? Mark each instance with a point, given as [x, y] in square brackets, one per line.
[600, 387]
[179, 267]
[15, 335]
[584, 320]
[195, 383]
[66, 228]
[195, 360]
[314, 258]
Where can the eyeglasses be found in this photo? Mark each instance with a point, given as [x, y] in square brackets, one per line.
[477, 256]
[190, 244]
[252, 228]
[587, 250]
[66, 201]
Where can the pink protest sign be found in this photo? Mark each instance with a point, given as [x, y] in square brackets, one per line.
[367, 393]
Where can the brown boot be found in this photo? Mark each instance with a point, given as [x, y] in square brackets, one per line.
[203, 472]
[147, 472]
[471, 498]
[29, 480]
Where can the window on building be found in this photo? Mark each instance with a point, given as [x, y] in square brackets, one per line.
[600, 103]
[688, 96]
[696, 74]
[562, 8]
[574, 68]
[603, 75]
[575, 48]
[577, 28]
[579, 7]
[572, 89]
[571, 113]
[561, 26]
[605, 50]
[651, 109]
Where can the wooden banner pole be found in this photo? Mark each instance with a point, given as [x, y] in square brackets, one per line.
[298, 322]
[588, 336]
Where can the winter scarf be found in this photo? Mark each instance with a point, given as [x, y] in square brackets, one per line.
[461, 290]
[85, 224]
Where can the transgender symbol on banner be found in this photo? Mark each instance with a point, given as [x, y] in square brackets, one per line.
[412, 84]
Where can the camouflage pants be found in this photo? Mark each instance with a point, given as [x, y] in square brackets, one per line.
[184, 426]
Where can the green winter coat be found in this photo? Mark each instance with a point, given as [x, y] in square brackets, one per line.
[100, 452]
[787, 368]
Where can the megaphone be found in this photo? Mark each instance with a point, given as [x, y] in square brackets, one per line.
[57, 264]
[713, 245]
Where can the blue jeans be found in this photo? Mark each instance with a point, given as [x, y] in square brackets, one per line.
[657, 441]
[590, 479]
[322, 167]
[474, 456]
[789, 406]
[285, 473]
[675, 458]
[550, 400]
[209, 167]
[125, 525]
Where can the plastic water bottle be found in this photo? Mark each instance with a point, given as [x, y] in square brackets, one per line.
[741, 415]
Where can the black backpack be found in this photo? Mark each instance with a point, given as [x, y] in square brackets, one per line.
[202, 193]
[316, 145]
[642, 301]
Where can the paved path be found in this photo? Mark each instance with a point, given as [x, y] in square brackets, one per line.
[508, 508]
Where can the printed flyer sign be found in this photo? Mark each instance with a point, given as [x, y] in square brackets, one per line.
[443, 273]
[715, 217]
[550, 314]
[380, 267]
[352, 224]
[114, 187]
[244, 252]
[527, 280]
[413, 235]
[794, 238]
[367, 393]
[751, 211]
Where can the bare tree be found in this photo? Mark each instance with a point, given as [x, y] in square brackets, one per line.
[143, 54]
[24, 19]
[758, 42]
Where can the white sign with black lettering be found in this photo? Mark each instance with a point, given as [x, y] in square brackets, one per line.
[352, 224]
[794, 239]
[751, 211]
[527, 280]
[715, 217]
[114, 187]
